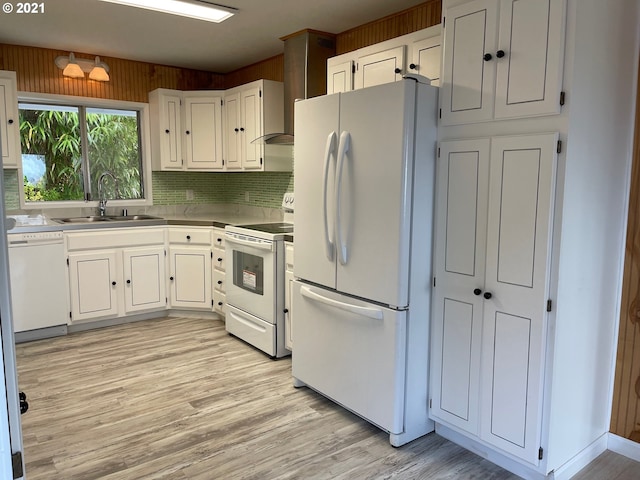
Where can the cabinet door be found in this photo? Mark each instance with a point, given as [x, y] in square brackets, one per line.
[522, 182]
[467, 83]
[171, 139]
[288, 312]
[381, 67]
[251, 105]
[425, 59]
[9, 123]
[233, 140]
[144, 278]
[460, 244]
[340, 77]
[93, 285]
[203, 132]
[529, 75]
[190, 277]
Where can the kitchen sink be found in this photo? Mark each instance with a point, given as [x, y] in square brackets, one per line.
[106, 218]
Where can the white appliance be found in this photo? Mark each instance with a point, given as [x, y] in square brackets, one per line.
[255, 283]
[364, 184]
[37, 265]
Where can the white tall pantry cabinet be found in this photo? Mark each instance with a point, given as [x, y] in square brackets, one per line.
[536, 136]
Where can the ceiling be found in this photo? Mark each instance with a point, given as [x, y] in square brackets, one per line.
[99, 28]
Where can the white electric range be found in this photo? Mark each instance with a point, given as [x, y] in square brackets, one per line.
[255, 283]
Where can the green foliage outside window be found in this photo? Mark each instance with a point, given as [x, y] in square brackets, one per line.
[54, 136]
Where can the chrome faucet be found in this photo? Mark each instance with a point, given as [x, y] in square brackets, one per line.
[102, 204]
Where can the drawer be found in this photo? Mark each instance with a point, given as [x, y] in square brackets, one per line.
[220, 303]
[218, 259]
[218, 280]
[114, 238]
[190, 236]
[218, 238]
[288, 256]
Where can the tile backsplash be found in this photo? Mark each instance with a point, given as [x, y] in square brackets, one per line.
[258, 189]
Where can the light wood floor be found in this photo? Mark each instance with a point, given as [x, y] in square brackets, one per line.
[178, 398]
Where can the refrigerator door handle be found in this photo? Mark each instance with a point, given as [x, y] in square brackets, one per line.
[329, 150]
[374, 313]
[343, 147]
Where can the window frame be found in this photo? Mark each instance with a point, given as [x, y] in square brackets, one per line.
[92, 102]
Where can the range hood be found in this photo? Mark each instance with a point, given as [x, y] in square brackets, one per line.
[305, 76]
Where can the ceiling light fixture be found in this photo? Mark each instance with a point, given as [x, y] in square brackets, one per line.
[76, 67]
[199, 9]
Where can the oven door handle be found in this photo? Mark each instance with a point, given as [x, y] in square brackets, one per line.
[260, 246]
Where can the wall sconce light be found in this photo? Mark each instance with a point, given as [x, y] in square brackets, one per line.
[76, 67]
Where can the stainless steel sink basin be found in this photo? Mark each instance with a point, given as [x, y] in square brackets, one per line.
[106, 218]
[127, 218]
[89, 219]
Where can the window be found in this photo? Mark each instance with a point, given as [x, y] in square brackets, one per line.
[67, 149]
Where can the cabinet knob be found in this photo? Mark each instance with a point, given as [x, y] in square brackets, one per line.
[219, 282]
[242, 129]
[219, 259]
[219, 240]
[171, 278]
[286, 310]
[487, 57]
[397, 70]
[412, 66]
[219, 304]
[500, 53]
[487, 295]
[188, 132]
[167, 131]
[11, 121]
[113, 283]
[128, 282]
[188, 237]
[236, 129]
[477, 291]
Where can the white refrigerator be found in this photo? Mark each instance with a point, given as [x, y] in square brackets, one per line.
[364, 184]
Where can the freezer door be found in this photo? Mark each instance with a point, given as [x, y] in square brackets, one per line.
[316, 139]
[373, 192]
[352, 352]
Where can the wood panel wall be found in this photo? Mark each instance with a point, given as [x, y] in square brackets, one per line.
[130, 80]
[416, 18]
[407, 21]
[625, 414]
[269, 69]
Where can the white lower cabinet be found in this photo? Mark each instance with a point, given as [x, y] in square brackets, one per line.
[115, 273]
[144, 278]
[492, 258]
[288, 290]
[219, 272]
[190, 257]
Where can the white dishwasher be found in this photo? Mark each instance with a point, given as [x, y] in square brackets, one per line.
[39, 288]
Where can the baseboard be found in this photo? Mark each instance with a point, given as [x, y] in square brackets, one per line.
[490, 454]
[624, 447]
[582, 459]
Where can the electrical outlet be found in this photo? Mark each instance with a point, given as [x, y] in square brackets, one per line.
[189, 194]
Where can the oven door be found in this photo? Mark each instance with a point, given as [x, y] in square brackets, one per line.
[251, 275]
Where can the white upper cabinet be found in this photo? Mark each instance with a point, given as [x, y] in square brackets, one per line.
[203, 130]
[186, 130]
[340, 76]
[380, 67]
[9, 121]
[502, 59]
[425, 59]
[251, 111]
[388, 61]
